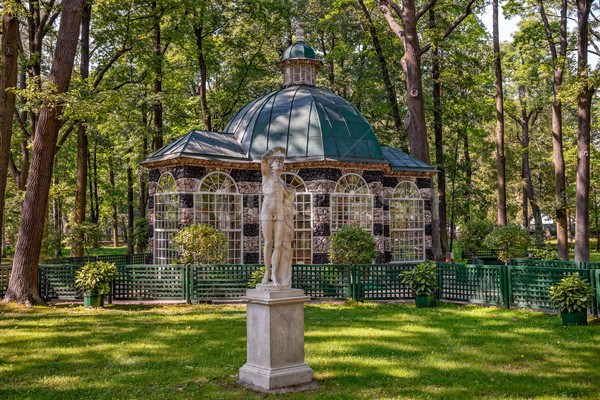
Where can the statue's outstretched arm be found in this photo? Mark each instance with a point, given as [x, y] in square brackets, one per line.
[266, 170]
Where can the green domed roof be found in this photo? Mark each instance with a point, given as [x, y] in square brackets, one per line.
[299, 50]
[309, 122]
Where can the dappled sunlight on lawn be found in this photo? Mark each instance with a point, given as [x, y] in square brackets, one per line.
[356, 350]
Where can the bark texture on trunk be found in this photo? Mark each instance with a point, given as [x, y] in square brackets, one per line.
[500, 156]
[389, 86]
[8, 79]
[203, 73]
[584, 103]
[157, 107]
[129, 211]
[558, 60]
[22, 286]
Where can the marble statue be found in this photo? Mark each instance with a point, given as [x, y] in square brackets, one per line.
[277, 219]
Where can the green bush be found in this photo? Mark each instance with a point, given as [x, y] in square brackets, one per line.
[510, 240]
[85, 236]
[95, 277]
[472, 234]
[140, 232]
[571, 294]
[201, 244]
[351, 244]
[422, 279]
[257, 277]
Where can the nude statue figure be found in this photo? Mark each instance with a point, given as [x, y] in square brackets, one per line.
[277, 219]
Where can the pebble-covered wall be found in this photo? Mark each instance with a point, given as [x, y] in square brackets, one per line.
[320, 182]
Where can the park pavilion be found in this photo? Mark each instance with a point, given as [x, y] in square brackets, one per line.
[341, 173]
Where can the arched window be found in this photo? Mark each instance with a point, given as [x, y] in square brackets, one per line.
[166, 216]
[302, 243]
[218, 204]
[407, 224]
[351, 203]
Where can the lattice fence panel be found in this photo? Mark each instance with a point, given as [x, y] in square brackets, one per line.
[548, 264]
[150, 282]
[528, 286]
[4, 277]
[471, 283]
[323, 281]
[381, 282]
[216, 282]
[57, 282]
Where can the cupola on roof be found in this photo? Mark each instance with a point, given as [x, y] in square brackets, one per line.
[299, 49]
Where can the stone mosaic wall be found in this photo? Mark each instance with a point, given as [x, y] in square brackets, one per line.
[320, 182]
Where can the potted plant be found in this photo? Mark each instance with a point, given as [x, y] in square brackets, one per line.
[422, 281]
[571, 297]
[94, 279]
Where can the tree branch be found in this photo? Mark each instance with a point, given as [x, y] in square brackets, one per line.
[425, 8]
[21, 124]
[452, 26]
[384, 6]
[100, 74]
[64, 137]
[548, 31]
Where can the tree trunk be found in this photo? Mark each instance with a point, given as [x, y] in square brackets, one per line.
[584, 102]
[203, 74]
[439, 139]
[113, 206]
[500, 157]
[142, 192]
[157, 106]
[468, 176]
[82, 140]
[129, 210]
[22, 287]
[391, 90]
[8, 79]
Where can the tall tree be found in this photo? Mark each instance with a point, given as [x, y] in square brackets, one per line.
[500, 156]
[389, 86]
[414, 122]
[584, 104]
[558, 64]
[22, 287]
[8, 81]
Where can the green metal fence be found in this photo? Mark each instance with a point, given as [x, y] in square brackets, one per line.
[528, 286]
[150, 282]
[472, 283]
[57, 282]
[4, 276]
[218, 282]
[515, 285]
[380, 282]
[549, 264]
[117, 259]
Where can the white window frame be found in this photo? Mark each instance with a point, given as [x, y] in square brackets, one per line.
[166, 220]
[407, 224]
[303, 227]
[351, 202]
[219, 204]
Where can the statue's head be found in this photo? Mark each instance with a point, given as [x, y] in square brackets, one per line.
[276, 164]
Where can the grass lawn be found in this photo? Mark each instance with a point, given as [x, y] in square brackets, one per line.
[358, 351]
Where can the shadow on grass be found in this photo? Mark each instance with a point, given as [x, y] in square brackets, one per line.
[356, 350]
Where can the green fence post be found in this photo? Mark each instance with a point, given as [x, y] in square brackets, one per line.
[505, 284]
[186, 283]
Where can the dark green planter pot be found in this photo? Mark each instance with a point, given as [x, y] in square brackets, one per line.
[425, 301]
[576, 318]
[92, 300]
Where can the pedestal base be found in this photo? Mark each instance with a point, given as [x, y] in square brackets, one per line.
[275, 346]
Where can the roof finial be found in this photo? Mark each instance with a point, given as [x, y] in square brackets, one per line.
[299, 34]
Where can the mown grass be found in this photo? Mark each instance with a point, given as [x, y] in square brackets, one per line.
[358, 351]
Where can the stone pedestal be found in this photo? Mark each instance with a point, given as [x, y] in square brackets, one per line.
[275, 345]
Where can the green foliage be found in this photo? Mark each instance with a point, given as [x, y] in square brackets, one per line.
[571, 294]
[86, 235]
[547, 252]
[510, 240]
[472, 234]
[422, 279]
[351, 244]
[95, 277]
[257, 277]
[140, 232]
[201, 244]
[52, 243]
